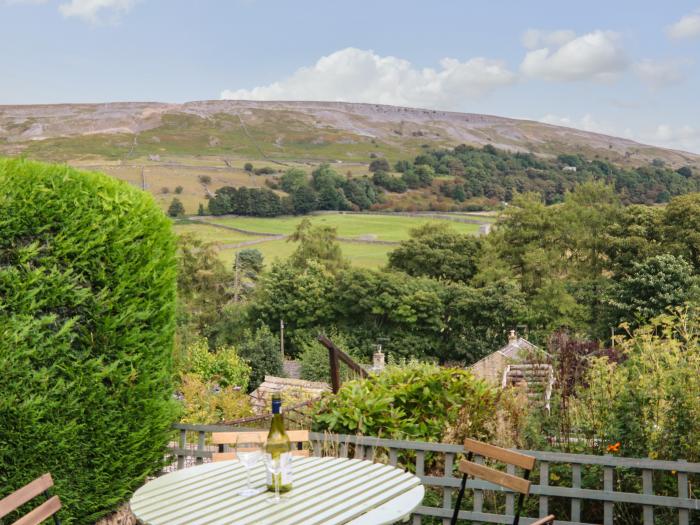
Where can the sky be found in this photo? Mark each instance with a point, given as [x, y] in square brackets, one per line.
[620, 67]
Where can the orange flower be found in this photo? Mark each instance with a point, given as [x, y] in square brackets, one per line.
[614, 448]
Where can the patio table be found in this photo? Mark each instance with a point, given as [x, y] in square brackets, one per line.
[329, 491]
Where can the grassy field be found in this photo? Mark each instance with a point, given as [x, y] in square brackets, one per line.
[361, 254]
[356, 226]
[213, 234]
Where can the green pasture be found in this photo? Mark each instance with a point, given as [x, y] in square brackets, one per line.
[356, 226]
[361, 255]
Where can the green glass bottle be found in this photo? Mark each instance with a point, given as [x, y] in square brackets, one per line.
[278, 444]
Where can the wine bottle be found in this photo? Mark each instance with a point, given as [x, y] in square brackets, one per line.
[277, 445]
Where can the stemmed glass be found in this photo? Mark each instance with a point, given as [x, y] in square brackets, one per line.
[276, 465]
[249, 459]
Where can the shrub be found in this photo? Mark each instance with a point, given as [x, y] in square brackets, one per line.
[649, 403]
[87, 306]
[223, 366]
[178, 189]
[206, 402]
[417, 402]
[262, 351]
[176, 208]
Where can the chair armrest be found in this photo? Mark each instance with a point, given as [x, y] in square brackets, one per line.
[544, 521]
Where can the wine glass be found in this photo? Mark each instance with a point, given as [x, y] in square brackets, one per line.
[276, 465]
[249, 459]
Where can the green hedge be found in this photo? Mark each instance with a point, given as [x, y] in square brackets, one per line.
[87, 305]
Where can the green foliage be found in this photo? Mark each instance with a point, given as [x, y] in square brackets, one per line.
[258, 202]
[379, 165]
[87, 319]
[651, 288]
[498, 175]
[200, 210]
[648, 402]
[315, 364]
[248, 167]
[176, 208]
[415, 402]
[261, 349]
[223, 366]
[317, 243]
[437, 251]
[203, 282]
[207, 403]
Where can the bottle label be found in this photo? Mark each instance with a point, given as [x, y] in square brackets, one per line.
[285, 477]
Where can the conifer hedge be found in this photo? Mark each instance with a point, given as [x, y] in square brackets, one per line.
[87, 305]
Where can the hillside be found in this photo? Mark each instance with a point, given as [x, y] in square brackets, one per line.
[289, 131]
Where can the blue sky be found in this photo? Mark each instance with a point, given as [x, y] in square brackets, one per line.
[628, 68]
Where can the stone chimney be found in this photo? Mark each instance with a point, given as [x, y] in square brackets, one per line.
[512, 336]
[378, 360]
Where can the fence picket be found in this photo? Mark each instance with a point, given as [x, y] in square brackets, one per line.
[576, 484]
[447, 492]
[608, 506]
[648, 488]
[683, 514]
[544, 481]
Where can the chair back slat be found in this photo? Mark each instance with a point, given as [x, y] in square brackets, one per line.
[495, 476]
[501, 454]
[25, 494]
[41, 513]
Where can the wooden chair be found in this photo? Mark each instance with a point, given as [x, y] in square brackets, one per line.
[224, 439]
[508, 481]
[43, 512]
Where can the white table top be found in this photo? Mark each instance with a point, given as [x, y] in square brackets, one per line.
[329, 491]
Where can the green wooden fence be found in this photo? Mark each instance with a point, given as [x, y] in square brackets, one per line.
[192, 447]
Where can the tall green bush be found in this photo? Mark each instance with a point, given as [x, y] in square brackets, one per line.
[87, 305]
[416, 401]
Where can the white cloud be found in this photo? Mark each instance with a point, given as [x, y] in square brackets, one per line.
[534, 38]
[687, 27]
[357, 75]
[681, 137]
[658, 74]
[585, 123]
[686, 138]
[593, 56]
[92, 10]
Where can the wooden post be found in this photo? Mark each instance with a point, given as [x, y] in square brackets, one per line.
[335, 372]
[575, 483]
[282, 338]
[683, 514]
[183, 446]
[544, 481]
[235, 279]
[510, 498]
[647, 488]
[420, 472]
[200, 447]
[446, 491]
[608, 506]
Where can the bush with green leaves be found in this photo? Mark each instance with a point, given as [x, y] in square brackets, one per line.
[223, 366]
[650, 401]
[87, 321]
[416, 401]
[261, 349]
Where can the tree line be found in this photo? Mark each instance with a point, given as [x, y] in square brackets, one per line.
[464, 174]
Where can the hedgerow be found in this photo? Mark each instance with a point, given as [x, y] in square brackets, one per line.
[87, 305]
